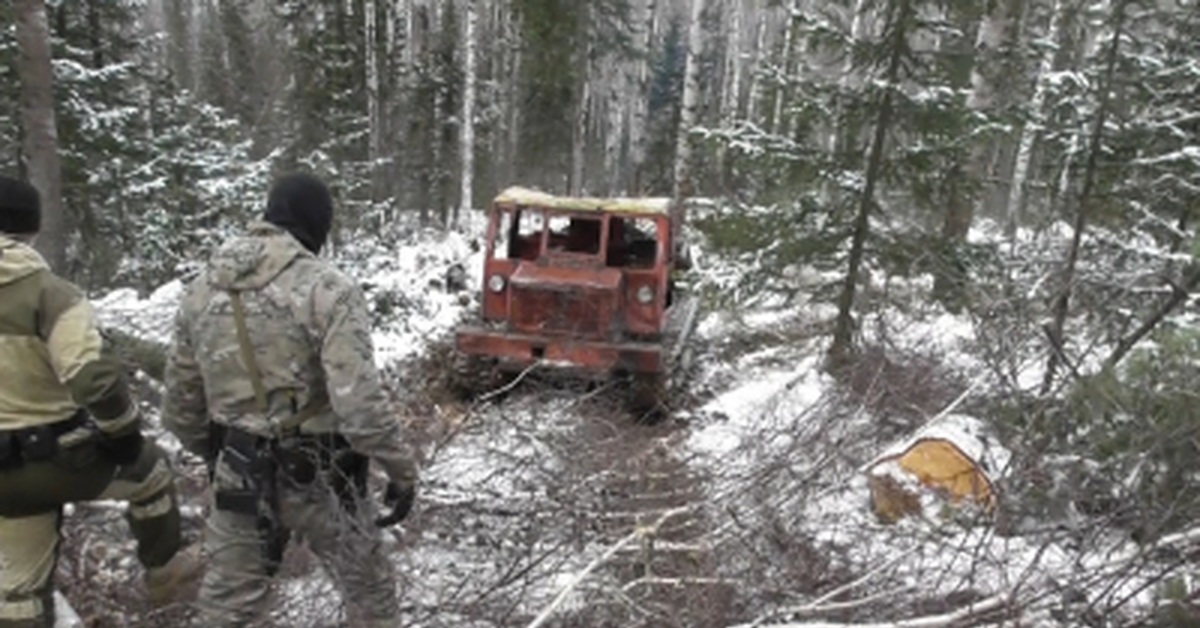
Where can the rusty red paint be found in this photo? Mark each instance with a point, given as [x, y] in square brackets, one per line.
[569, 293]
[517, 350]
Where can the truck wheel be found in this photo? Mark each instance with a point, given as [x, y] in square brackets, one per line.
[649, 396]
[472, 376]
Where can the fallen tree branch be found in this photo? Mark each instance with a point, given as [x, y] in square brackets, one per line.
[637, 534]
[510, 385]
[1179, 294]
[1178, 538]
[866, 577]
[960, 617]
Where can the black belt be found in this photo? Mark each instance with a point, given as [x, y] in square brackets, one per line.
[58, 428]
[39, 442]
[240, 438]
[320, 449]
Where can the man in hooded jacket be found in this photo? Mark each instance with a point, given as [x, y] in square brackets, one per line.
[69, 431]
[272, 379]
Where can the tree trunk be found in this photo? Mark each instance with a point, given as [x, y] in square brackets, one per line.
[731, 85]
[179, 49]
[467, 149]
[760, 42]
[782, 92]
[858, 28]
[1016, 197]
[512, 166]
[841, 350]
[684, 186]
[374, 119]
[1067, 283]
[950, 281]
[618, 84]
[40, 128]
[583, 103]
[646, 25]
[732, 96]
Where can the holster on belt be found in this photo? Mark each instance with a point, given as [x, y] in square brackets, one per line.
[253, 460]
[303, 458]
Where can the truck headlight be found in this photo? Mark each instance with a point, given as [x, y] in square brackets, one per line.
[496, 283]
[645, 295]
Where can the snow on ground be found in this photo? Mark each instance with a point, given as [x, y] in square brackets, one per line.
[150, 318]
[770, 401]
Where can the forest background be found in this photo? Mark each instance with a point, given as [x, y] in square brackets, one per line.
[869, 138]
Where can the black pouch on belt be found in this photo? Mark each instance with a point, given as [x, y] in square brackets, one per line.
[241, 455]
[8, 451]
[37, 443]
[299, 464]
[349, 481]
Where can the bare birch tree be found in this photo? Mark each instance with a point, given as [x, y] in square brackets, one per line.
[690, 104]
[470, 21]
[1029, 134]
[617, 83]
[732, 83]
[754, 98]
[374, 119]
[646, 24]
[583, 105]
[961, 206]
[40, 128]
[782, 93]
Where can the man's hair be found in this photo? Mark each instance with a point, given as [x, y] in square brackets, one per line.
[20, 207]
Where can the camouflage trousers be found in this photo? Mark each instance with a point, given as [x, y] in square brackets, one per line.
[31, 500]
[235, 589]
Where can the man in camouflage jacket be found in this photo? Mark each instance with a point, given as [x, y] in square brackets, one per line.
[272, 356]
[69, 430]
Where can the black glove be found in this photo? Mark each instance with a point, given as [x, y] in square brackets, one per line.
[400, 499]
[122, 450]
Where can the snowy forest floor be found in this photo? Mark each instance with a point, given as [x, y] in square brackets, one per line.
[748, 507]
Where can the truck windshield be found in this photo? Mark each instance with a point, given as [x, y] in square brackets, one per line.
[574, 234]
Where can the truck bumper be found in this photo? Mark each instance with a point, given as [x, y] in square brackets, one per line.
[520, 350]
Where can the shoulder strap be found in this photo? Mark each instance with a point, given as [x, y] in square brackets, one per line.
[243, 334]
[260, 391]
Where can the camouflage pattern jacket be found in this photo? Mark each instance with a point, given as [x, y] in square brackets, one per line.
[309, 329]
[50, 350]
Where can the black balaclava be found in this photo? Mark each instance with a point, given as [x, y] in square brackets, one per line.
[20, 207]
[301, 204]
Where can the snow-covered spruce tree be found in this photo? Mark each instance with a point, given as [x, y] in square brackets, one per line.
[145, 165]
[1161, 192]
[325, 111]
[561, 42]
[875, 124]
[199, 186]
[102, 99]
[434, 107]
[1135, 420]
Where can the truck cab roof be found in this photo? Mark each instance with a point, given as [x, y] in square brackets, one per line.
[533, 198]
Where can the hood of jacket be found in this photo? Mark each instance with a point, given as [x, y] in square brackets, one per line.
[18, 260]
[254, 260]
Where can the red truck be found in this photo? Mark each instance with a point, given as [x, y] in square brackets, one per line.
[586, 285]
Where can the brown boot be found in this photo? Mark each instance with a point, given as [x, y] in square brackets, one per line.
[173, 582]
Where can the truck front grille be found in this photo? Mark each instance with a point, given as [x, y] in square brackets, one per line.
[574, 312]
